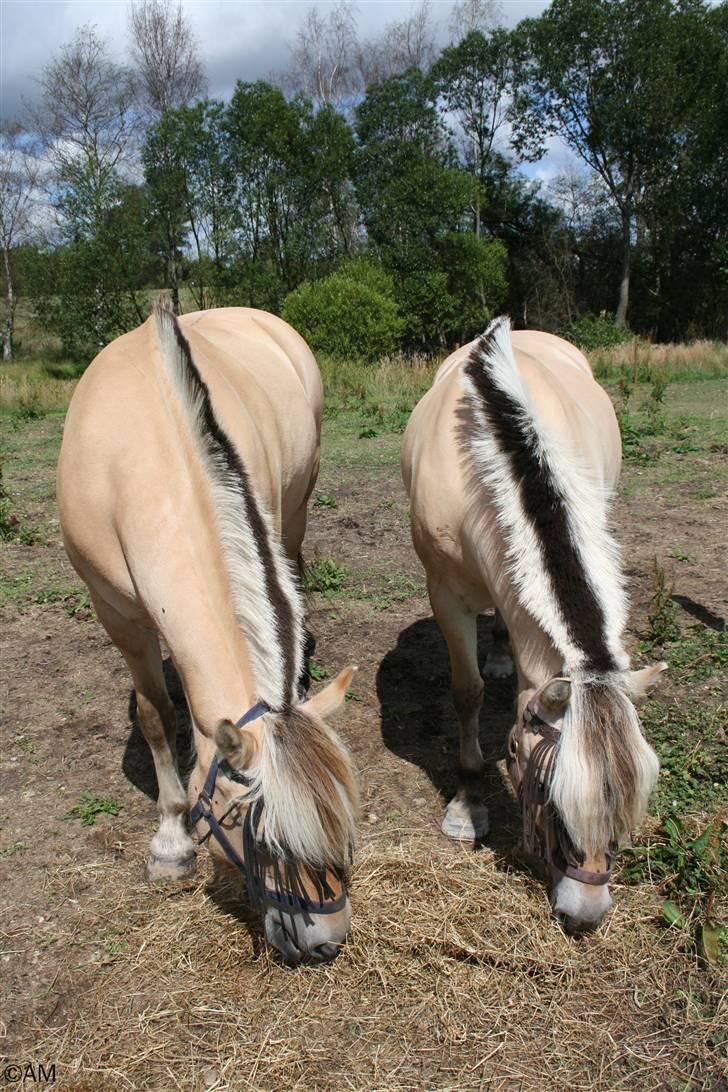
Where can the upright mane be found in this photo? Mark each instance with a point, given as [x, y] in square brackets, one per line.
[561, 555]
[266, 598]
[564, 565]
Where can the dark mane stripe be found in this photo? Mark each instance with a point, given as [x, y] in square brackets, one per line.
[221, 445]
[544, 507]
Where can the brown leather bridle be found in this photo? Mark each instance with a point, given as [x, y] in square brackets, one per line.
[552, 842]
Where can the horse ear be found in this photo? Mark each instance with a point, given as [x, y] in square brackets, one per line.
[552, 698]
[235, 745]
[332, 696]
[641, 682]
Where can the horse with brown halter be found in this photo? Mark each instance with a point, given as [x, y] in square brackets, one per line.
[190, 450]
[510, 460]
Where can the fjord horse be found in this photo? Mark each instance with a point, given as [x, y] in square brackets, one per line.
[190, 450]
[510, 460]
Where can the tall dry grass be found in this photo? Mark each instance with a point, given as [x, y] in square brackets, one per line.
[33, 393]
[639, 361]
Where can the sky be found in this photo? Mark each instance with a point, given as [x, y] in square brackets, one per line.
[239, 39]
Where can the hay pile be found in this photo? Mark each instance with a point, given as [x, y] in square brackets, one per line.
[455, 978]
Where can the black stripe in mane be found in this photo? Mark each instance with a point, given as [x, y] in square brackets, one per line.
[544, 508]
[221, 443]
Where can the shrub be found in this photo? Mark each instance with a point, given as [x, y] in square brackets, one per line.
[350, 314]
[591, 331]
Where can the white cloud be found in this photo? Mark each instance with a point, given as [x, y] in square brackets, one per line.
[239, 39]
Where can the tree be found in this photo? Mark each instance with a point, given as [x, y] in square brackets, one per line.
[166, 56]
[20, 180]
[404, 44]
[88, 125]
[469, 15]
[324, 57]
[608, 76]
[90, 290]
[293, 195]
[414, 201]
[476, 81]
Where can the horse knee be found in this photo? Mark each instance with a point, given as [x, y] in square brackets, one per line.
[468, 700]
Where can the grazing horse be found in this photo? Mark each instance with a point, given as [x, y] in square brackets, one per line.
[190, 450]
[510, 460]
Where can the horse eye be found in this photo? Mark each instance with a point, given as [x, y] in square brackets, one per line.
[513, 746]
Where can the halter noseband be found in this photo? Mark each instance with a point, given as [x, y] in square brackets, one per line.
[533, 788]
[289, 895]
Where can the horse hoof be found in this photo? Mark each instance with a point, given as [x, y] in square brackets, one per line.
[497, 667]
[169, 869]
[465, 824]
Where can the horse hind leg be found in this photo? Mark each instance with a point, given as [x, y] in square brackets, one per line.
[499, 662]
[466, 816]
[172, 852]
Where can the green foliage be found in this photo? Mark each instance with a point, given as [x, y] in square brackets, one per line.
[91, 290]
[350, 314]
[590, 332]
[9, 522]
[693, 754]
[693, 873]
[316, 671]
[89, 806]
[663, 613]
[324, 500]
[417, 203]
[325, 576]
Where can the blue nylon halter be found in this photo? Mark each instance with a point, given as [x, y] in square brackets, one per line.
[289, 902]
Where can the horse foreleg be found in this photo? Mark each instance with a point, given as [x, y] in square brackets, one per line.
[466, 817]
[172, 852]
[499, 664]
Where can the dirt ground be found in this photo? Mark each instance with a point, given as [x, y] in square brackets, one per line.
[125, 985]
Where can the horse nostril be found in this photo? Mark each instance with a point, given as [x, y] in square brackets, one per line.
[325, 951]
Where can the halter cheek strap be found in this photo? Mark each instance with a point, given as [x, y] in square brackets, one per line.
[533, 792]
[289, 896]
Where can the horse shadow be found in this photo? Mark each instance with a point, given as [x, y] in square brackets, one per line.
[137, 762]
[419, 723]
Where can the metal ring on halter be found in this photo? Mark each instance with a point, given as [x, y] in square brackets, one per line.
[533, 792]
[289, 895]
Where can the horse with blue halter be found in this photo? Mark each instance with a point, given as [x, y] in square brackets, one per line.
[510, 461]
[190, 451]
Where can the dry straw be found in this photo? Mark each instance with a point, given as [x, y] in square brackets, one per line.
[455, 978]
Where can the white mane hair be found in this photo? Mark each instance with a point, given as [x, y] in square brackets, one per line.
[605, 769]
[565, 570]
[265, 593]
[305, 778]
[585, 504]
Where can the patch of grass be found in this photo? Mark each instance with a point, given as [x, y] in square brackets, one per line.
[316, 671]
[13, 849]
[28, 393]
[325, 576]
[324, 500]
[678, 363]
[692, 745]
[691, 868]
[89, 806]
[698, 654]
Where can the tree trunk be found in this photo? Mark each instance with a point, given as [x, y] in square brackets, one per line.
[10, 321]
[620, 318]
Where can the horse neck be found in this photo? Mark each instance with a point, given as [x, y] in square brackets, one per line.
[537, 659]
[206, 644]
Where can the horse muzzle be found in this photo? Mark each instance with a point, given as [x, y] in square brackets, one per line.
[308, 937]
